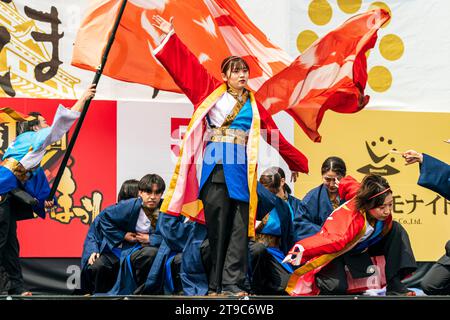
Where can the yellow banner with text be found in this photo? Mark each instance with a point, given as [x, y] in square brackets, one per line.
[364, 141]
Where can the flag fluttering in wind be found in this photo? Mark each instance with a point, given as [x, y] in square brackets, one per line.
[330, 74]
[212, 29]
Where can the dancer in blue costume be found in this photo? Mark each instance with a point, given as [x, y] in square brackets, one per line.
[434, 175]
[274, 234]
[178, 267]
[129, 231]
[24, 187]
[188, 239]
[101, 276]
[318, 203]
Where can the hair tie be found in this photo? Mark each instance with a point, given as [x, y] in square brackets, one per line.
[380, 193]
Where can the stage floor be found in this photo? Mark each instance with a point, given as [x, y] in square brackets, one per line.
[207, 298]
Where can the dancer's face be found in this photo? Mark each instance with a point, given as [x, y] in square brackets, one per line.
[41, 125]
[150, 200]
[329, 181]
[385, 210]
[237, 78]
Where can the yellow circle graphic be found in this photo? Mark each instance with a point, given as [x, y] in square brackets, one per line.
[349, 6]
[320, 12]
[305, 39]
[391, 47]
[384, 6]
[380, 79]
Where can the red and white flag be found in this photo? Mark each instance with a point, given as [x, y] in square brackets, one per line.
[331, 74]
[212, 29]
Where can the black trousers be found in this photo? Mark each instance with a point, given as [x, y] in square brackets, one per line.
[437, 280]
[268, 275]
[102, 274]
[9, 248]
[227, 229]
[395, 247]
[141, 262]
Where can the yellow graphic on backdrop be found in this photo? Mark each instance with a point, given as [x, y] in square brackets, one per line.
[391, 46]
[320, 12]
[23, 60]
[364, 140]
[379, 78]
[90, 206]
[380, 163]
[89, 209]
[349, 6]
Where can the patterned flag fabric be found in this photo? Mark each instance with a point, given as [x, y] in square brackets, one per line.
[212, 29]
[331, 74]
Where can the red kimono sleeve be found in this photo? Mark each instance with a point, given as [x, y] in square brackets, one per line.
[295, 160]
[185, 69]
[340, 228]
[348, 188]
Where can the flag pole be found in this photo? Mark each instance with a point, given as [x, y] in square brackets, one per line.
[87, 103]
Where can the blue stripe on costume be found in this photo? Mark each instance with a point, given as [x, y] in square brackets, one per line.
[279, 256]
[232, 156]
[272, 226]
[38, 187]
[8, 180]
[374, 238]
[168, 278]
[244, 118]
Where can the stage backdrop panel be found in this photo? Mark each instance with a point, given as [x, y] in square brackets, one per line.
[132, 130]
[364, 140]
[87, 185]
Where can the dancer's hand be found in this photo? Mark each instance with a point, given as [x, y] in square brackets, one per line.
[294, 176]
[294, 256]
[336, 182]
[49, 204]
[94, 256]
[89, 93]
[162, 24]
[130, 237]
[143, 238]
[412, 156]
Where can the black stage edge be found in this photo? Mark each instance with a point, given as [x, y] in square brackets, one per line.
[255, 307]
[61, 276]
[55, 282]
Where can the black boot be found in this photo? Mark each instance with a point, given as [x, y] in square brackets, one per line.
[397, 288]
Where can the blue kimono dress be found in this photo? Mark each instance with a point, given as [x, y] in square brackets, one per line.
[36, 184]
[113, 223]
[312, 212]
[435, 175]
